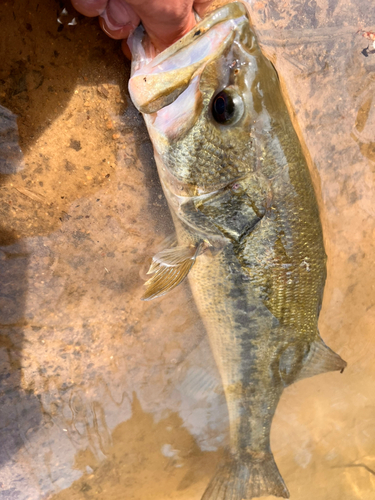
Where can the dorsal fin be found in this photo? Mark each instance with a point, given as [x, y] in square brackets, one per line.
[169, 268]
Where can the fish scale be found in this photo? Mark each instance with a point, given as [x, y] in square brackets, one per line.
[248, 227]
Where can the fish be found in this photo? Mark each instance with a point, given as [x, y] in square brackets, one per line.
[249, 235]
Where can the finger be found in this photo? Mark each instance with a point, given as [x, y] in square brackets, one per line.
[165, 21]
[90, 8]
[119, 19]
[202, 6]
[126, 50]
[169, 20]
[117, 33]
[164, 35]
[120, 13]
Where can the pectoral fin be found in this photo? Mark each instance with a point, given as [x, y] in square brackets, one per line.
[169, 268]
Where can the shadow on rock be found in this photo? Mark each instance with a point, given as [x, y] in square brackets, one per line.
[20, 410]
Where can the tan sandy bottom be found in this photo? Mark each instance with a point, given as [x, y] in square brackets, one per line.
[103, 396]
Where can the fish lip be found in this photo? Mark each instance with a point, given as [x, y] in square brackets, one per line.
[154, 84]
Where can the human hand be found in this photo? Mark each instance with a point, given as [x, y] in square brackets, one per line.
[165, 21]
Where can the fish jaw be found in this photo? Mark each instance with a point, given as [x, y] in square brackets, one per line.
[156, 82]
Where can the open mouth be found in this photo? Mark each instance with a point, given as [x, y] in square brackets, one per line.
[157, 82]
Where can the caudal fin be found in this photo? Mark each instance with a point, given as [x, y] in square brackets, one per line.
[242, 480]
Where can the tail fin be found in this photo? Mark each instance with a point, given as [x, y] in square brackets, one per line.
[242, 480]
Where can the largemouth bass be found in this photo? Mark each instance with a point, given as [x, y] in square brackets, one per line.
[249, 234]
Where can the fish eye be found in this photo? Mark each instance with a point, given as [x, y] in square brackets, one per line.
[227, 107]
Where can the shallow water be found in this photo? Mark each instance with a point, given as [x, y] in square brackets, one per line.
[102, 395]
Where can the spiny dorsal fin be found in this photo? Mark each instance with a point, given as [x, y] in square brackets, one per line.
[169, 268]
[320, 359]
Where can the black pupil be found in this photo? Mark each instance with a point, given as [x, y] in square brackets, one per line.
[222, 107]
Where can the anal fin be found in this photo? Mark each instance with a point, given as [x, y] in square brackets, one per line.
[320, 359]
[169, 268]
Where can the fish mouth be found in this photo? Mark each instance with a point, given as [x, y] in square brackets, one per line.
[156, 83]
